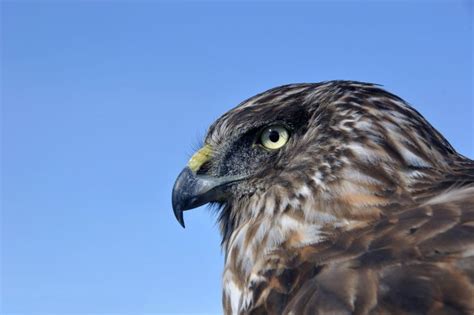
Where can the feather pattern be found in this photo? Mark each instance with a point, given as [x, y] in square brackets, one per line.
[366, 210]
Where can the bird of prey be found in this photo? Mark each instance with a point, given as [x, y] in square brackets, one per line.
[335, 198]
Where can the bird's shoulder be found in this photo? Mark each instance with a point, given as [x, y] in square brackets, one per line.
[416, 260]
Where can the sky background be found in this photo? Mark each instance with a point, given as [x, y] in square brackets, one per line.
[104, 102]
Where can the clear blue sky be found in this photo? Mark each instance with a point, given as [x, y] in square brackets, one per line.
[103, 103]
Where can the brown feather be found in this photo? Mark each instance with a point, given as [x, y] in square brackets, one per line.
[367, 209]
[411, 262]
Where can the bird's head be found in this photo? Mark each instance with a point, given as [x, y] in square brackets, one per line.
[337, 145]
[245, 150]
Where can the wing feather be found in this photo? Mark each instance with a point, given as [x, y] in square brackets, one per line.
[419, 260]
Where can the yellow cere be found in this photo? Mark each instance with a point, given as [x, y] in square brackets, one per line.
[274, 137]
[200, 157]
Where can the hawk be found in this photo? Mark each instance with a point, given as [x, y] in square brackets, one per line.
[335, 198]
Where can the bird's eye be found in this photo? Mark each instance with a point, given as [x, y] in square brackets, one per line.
[274, 137]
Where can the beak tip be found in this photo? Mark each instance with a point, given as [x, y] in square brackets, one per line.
[178, 212]
[179, 217]
[178, 200]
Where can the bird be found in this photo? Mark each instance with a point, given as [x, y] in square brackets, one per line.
[335, 197]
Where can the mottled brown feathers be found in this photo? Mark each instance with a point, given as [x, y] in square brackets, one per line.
[415, 261]
[367, 209]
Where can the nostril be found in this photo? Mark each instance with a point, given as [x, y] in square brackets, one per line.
[204, 169]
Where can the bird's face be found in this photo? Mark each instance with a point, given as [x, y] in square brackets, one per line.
[244, 152]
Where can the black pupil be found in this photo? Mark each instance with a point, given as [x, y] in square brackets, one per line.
[274, 136]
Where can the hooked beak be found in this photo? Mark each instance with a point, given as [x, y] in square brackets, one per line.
[191, 190]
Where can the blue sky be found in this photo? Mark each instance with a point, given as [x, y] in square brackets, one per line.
[103, 103]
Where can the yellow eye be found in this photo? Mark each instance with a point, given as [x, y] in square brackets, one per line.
[274, 137]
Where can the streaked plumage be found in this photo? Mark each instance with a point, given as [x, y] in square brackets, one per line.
[367, 209]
